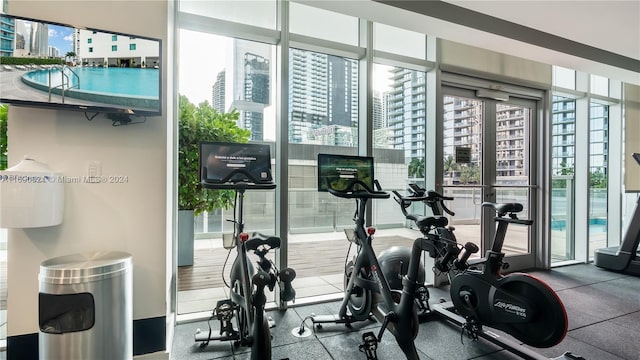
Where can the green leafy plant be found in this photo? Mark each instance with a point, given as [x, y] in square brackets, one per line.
[416, 168]
[196, 124]
[4, 115]
[470, 174]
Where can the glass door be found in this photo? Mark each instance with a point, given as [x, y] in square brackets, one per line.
[488, 157]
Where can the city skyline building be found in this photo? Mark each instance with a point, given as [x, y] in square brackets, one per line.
[31, 39]
[93, 48]
[217, 92]
[406, 112]
[563, 132]
[323, 101]
[247, 84]
[8, 39]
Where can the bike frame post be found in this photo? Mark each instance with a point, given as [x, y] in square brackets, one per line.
[501, 233]
[242, 257]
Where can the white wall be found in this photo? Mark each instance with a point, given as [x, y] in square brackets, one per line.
[632, 137]
[130, 217]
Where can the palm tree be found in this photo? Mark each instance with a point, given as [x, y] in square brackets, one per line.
[450, 164]
[416, 168]
[70, 57]
[470, 174]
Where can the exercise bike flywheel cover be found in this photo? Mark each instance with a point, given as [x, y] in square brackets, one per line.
[548, 326]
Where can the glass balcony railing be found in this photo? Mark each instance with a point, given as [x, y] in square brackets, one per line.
[562, 218]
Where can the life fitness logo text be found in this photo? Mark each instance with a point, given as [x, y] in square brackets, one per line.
[511, 308]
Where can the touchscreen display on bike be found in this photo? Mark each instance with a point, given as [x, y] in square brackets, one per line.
[341, 170]
[234, 162]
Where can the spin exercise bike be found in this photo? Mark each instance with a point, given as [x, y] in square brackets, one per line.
[242, 167]
[367, 291]
[518, 304]
[624, 258]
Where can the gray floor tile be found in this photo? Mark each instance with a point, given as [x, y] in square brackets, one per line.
[603, 310]
[568, 277]
[611, 337]
[442, 341]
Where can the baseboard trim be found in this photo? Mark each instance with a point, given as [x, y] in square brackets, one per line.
[149, 338]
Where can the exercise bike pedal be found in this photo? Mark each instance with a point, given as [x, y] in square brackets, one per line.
[224, 312]
[369, 345]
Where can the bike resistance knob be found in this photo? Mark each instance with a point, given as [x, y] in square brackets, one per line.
[287, 293]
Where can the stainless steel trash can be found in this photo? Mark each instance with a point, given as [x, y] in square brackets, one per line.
[85, 307]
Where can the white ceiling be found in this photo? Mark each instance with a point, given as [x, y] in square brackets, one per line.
[610, 25]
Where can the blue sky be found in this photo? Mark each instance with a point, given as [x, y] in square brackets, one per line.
[61, 37]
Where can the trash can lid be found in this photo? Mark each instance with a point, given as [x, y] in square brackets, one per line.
[80, 268]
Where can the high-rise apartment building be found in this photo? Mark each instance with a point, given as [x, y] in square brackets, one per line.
[217, 93]
[323, 99]
[563, 132]
[256, 91]
[512, 133]
[406, 112]
[246, 83]
[8, 39]
[31, 39]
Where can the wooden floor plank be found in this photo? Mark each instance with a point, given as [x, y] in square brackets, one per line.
[308, 259]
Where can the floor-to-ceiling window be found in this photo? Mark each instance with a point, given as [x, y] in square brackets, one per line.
[324, 112]
[225, 76]
[399, 118]
[581, 200]
[562, 184]
[598, 175]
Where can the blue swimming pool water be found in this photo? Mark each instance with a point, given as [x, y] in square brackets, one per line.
[120, 81]
[595, 225]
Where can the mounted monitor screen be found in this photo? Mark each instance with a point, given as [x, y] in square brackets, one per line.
[636, 156]
[233, 162]
[342, 170]
[52, 65]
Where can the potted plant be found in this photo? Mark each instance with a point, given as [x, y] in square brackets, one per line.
[196, 124]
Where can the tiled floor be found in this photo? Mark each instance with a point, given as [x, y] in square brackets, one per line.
[603, 310]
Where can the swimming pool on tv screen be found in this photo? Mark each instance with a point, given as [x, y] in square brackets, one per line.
[113, 80]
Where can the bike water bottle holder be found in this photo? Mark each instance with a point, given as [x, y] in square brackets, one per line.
[351, 235]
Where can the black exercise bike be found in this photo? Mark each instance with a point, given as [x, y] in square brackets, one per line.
[518, 304]
[367, 289]
[248, 299]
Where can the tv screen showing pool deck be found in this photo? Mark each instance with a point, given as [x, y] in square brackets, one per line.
[52, 65]
[341, 170]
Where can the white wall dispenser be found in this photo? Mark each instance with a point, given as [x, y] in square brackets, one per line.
[31, 195]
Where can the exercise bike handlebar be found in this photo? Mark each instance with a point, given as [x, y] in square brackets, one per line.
[432, 198]
[364, 192]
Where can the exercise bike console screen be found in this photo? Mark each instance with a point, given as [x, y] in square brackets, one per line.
[234, 162]
[341, 170]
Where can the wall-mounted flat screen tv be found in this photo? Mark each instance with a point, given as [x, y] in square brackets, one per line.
[342, 170]
[52, 65]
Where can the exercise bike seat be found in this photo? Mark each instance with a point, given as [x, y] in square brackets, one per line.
[503, 209]
[256, 240]
[428, 221]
